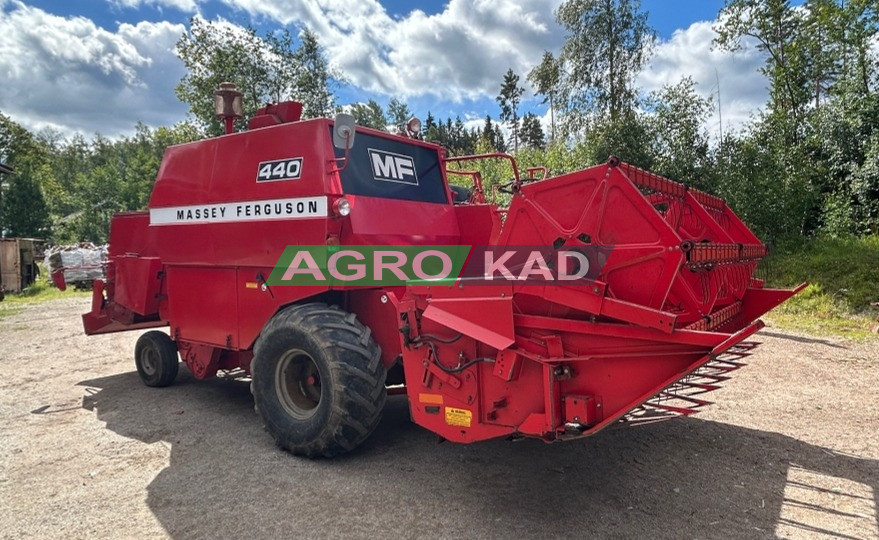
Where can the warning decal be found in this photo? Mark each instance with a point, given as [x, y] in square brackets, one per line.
[458, 417]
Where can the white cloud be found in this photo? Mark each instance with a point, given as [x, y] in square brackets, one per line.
[69, 74]
[463, 51]
[460, 53]
[186, 6]
[474, 122]
[689, 52]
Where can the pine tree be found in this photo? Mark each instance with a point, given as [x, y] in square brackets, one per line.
[429, 122]
[498, 140]
[532, 131]
[509, 99]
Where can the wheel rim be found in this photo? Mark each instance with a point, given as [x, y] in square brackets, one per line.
[298, 384]
[149, 361]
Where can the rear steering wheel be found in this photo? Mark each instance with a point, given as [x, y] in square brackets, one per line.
[508, 187]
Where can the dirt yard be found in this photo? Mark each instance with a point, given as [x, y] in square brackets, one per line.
[791, 449]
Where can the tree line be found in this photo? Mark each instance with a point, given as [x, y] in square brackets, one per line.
[807, 165]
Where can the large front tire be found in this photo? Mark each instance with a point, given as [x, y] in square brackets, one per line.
[318, 380]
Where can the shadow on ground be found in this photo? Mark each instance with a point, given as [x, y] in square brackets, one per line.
[684, 478]
[802, 339]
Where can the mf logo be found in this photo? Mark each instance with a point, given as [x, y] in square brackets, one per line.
[391, 167]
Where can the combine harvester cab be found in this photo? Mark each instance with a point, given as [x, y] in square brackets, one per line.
[662, 320]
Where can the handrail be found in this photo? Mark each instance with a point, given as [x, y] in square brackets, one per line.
[494, 155]
[478, 190]
[532, 170]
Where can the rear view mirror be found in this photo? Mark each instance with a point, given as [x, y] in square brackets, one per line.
[343, 131]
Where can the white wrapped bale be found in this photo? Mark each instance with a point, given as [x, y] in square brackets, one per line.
[82, 263]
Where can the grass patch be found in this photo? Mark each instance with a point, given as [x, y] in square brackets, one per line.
[844, 282]
[39, 292]
[7, 311]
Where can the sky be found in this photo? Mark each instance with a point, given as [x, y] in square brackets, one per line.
[92, 66]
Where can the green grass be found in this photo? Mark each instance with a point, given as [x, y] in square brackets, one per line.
[39, 292]
[844, 282]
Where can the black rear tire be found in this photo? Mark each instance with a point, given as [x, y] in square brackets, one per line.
[318, 380]
[155, 356]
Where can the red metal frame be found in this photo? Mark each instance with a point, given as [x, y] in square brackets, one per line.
[478, 196]
[674, 296]
[493, 155]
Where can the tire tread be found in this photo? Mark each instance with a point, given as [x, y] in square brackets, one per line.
[169, 361]
[360, 379]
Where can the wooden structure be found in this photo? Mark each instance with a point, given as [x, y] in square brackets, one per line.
[18, 268]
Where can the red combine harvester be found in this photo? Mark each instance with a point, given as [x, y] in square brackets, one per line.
[663, 322]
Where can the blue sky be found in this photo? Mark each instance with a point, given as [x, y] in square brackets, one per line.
[103, 65]
[665, 15]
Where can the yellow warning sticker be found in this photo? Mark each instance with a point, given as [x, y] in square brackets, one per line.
[458, 417]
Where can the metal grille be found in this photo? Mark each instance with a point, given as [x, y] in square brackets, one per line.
[685, 397]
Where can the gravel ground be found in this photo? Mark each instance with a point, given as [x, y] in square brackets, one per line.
[791, 449]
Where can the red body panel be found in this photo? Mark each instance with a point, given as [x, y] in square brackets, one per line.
[143, 275]
[375, 221]
[552, 361]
